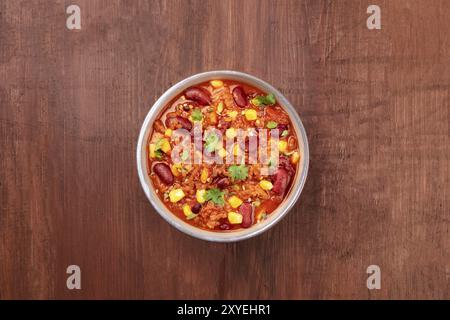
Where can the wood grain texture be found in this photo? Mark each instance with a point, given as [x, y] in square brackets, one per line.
[375, 105]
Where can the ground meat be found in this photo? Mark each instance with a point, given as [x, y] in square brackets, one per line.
[224, 94]
[252, 191]
[210, 215]
[254, 172]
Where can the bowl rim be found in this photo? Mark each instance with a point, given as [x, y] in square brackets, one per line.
[179, 224]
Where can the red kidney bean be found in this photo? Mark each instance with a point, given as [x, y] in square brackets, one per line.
[196, 208]
[171, 114]
[199, 95]
[177, 122]
[185, 123]
[282, 127]
[284, 162]
[239, 96]
[280, 181]
[163, 172]
[223, 183]
[172, 123]
[246, 209]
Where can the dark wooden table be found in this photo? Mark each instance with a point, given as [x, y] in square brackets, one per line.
[375, 104]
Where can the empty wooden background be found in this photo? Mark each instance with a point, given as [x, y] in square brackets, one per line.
[375, 105]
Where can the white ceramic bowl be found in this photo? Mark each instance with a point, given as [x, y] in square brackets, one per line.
[232, 235]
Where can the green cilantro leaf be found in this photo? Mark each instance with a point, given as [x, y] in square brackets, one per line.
[238, 172]
[270, 98]
[264, 100]
[215, 195]
[197, 115]
[271, 124]
[159, 154]
[211, 142]
[284, 133]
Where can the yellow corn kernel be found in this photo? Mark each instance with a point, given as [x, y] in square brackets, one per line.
[176, 195]
[164, 145]
[204, 175]
[200, 196]
[231, 133]
[282, 146]
[234, 217]
[265, 185]
[152, 150]
[295, 157]
[220, 108]
[187, 210]
[234, 201]
[213, 118]
[236, 149]
[250, 114]
[168, 133]
[216, 83]
[232, 114]
[222, 153]
[176, 168]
